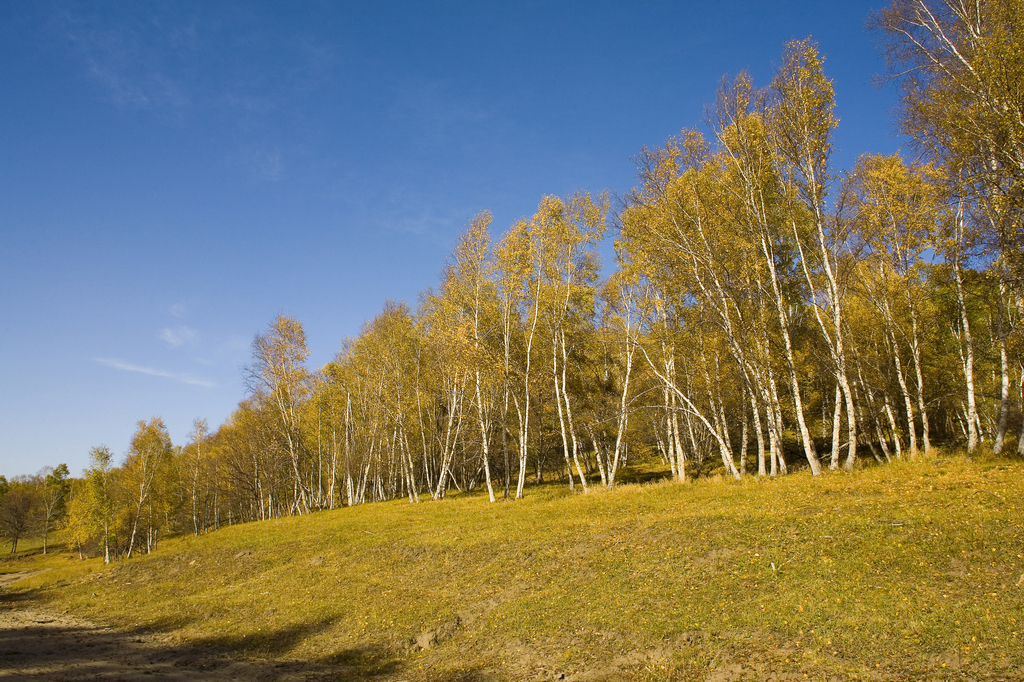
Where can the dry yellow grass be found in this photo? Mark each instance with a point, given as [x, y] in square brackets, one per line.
[904, 572]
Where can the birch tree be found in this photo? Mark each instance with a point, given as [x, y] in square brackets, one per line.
[145, 466]
[54, 491]
[193, 469]
[520, 302]
[894, 210]
[959, 67]
[801, 124]
[93, 507]
[278, 377]
[471, 282]
[564, 236]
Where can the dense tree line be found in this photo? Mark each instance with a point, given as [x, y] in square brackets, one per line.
[765, 312]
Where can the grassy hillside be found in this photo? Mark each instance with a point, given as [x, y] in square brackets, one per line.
[905, 572]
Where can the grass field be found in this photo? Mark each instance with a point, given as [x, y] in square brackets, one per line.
[904, 572]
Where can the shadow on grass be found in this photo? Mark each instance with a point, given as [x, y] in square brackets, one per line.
[38, 645]
[276, 642]
[646, 471]
[367, 662]
[10, 599]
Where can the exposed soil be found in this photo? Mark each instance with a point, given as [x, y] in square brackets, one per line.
[44, 646]
[36, 644]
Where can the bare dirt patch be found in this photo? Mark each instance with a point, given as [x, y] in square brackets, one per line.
[10, 578]
[37, 644]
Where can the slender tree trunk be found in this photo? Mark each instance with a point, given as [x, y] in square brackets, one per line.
[195, 484]
[677, 442]
[135, 527]
[504, 450]
[908, 404]
[778, 450]
[1004, 367]
[561, 416]
[665, 439]
[851, 422]
[837, 414]
[835, 338]
[805, 435]
[744, 441]
[414, 495]
[882, 441]
[484, 428]
[423, 435]
[718, 412]
[759, 433]
[893, 428]
[623, 415]
[569, 415]
[524, 414]
[691, 409]
[922, 408]
[602, 467]
[966, 344]
[968, 360]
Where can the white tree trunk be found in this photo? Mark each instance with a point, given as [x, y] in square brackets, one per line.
[484, 428]
[968, 360]
[1004, 367]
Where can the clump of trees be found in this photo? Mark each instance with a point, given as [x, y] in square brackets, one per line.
[34, 505]
[766, 312]
[120, 511]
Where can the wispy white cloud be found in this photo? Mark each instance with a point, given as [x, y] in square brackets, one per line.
[178, 336]
[153, 372]
[178, 310]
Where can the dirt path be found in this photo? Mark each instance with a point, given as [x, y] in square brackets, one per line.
[40, 645]
[9, 578]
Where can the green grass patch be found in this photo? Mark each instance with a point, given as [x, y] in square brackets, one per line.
[907, 571]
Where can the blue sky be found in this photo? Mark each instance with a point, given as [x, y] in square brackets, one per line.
[174, 175]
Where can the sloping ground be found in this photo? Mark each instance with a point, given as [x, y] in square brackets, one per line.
[37, 645]
[906, 572]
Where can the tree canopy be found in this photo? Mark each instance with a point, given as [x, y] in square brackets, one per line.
[765, 312]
